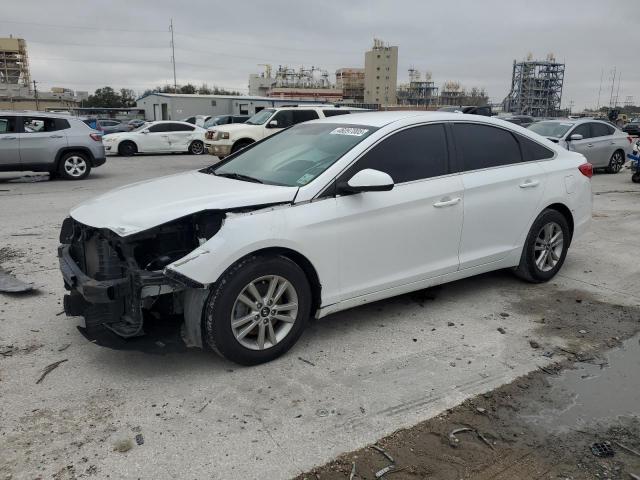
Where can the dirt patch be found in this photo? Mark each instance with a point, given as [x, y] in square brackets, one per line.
[7, 254]
[503, 437]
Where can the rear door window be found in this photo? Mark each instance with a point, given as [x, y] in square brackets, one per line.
[485, 146]
[333, 113]
[412, 154]
[44, 124]
[300, 116]
[601, 130]
[160, 127]
[179, 127]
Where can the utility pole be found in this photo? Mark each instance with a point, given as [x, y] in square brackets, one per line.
[613, 82]
[600, 89]
[35, 94]
[173, 58]
[618, 91]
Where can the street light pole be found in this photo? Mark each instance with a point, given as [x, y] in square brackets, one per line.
[173, 58]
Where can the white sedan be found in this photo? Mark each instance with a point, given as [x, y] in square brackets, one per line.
[324, 216]
[157, 137]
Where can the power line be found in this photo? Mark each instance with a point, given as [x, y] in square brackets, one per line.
[81, 27]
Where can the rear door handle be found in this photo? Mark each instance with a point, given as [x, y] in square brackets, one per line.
[8, 138]
[445, 202]
[589, 145]
[55, 136]
[530, 184]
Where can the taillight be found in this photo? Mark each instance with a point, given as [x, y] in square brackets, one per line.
[96, 136]
[586, 169]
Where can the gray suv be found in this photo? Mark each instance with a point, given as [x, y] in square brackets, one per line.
[46, 142]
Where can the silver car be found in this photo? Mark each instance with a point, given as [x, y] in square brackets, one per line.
[604, 145]
[59, 144]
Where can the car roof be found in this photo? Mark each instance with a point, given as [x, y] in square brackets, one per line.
[35, 113]
[380, 119]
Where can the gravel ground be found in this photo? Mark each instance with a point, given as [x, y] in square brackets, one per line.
[353, 378]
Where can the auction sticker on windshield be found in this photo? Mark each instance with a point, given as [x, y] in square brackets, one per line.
[356, 132]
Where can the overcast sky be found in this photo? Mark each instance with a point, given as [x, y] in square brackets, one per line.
[86, 44]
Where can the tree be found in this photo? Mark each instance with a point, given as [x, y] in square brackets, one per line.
[105, 97]
[127, 97]
[188, 89]
[204, 89]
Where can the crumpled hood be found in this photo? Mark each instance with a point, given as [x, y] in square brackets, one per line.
[143, 205]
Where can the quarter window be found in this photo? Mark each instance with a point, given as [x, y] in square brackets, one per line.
[484, 146]
[532, 151]
[412, 154]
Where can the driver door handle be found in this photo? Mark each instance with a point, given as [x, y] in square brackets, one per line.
[447, 202]
[55, 136]
[529, 184]
[8, 138]
[589, 145]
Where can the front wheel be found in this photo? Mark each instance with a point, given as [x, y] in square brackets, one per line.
[257, 310]
[616, 162]
[74, 166]
[545, 248]
[635, 178]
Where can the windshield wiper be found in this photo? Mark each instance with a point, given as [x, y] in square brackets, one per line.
[239, 176]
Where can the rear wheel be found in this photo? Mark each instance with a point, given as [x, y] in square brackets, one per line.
[196, 148]
[74, 166]
[635, 178]
[257, 310]
[545, 248]
[127, 149]
[616, 162]
[239, 145]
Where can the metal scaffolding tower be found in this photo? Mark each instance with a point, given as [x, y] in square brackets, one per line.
[418, 92]
[536, 87]
[14, 62]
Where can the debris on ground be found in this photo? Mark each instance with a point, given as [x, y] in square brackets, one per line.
[450, 324]
[501, 330]
[306, 361]
[602, 449]
[123, 445]
[624, 447]
[10, 284]
[352, 475]
[49, 368]
[139, 439]
[388, 468]
[64, 347]
[453, 440]
[504, 314]
[534, 344]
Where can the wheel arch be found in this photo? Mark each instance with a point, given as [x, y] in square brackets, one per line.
[247, 140]
[126, 140]
[303, 262]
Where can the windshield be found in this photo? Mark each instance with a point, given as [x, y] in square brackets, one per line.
[551, 129]
[296, 156]
[260, 117]
[213, 121]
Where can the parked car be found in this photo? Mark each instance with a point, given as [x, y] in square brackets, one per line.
[107, 126]
[522, 120]
[227, 139]
[601, 143]
[326, 215]
[484, 110]
[225, 120]
[135, 123]
[198, 120]
[157, 137]
[633, 127]
[44, 142]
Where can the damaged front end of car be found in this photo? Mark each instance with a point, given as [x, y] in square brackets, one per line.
[115, 282]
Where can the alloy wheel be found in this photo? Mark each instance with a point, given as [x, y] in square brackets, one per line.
[617, 161]
[264, 312]
[75, 166]
[548, 246]
[197, 148]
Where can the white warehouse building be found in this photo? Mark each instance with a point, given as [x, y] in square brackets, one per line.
[176, 106]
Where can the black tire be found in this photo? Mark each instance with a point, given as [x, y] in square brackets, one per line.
[528, 269]
[635, 178]
[616, 162]
[239, 145]
[219, 307]
[127, 149]
[196, 148]
[74, 166]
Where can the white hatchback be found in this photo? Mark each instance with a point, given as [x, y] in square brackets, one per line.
[324, 216]
[164, 136]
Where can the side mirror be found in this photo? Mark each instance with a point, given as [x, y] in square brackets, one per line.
[576, 136]
[273, 124]
[367, 180]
